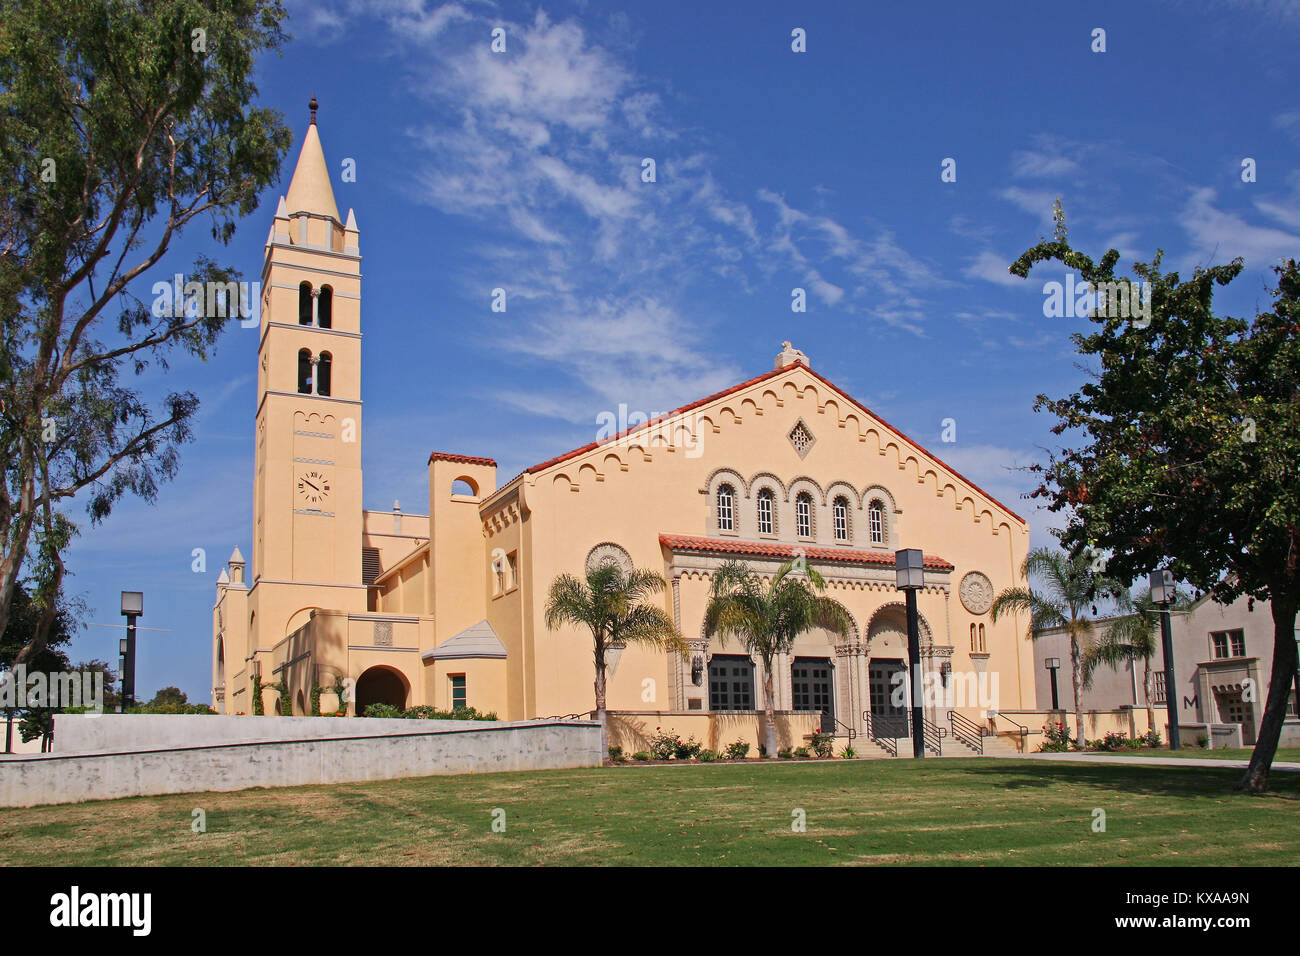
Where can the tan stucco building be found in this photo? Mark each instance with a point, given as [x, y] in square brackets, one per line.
[1223, 659]
[446, 608]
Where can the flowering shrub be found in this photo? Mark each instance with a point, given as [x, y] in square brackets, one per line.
[1112, 741]
[664, 745]
[822, 744]
[737, 751]
[1056, 738]
[687, 749]
[1117, 741]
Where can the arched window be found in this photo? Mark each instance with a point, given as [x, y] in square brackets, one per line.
[840, 514]
[323, 373]
[766, 510]
[325, 308]
[726, 508]
[803, 515]
[983, 646]
[973, 646]
[304, 371]
[304, 303]
[876, 522]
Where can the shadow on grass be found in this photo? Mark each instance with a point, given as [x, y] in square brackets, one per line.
[1209, 781]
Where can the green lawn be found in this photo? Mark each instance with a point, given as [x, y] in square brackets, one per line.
[1283, 755]
[950, 811]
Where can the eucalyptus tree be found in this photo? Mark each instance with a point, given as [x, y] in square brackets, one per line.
[1068, 587]
[767, 618]
[121, 123]
[616, 607]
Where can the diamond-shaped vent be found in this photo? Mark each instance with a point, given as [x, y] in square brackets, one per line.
[801, 438]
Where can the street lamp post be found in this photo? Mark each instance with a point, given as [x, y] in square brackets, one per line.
[1053, 665]
[1162, 593]
[9, 714]
[909, 566]
[132, 609]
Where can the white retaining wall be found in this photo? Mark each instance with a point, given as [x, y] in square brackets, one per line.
[91, 733]
[149, 762]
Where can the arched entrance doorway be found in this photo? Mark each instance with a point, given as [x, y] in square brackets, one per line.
[887, 669]
[380, 685]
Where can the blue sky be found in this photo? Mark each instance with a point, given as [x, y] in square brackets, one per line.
[775, 170]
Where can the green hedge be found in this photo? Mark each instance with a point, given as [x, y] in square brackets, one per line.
[425, 712]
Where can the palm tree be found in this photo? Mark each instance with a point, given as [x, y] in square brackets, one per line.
[1069, 585]
[610, 602]
[1132, 637]
[767, 620]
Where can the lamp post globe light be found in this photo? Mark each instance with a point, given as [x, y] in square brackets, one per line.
[909, 565]
[1162, 593]
[132, 608]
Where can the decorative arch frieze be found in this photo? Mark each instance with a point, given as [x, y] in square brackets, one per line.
[716, 478]
[883, 493]
[804, 482]
[762, 479]
[855, 499]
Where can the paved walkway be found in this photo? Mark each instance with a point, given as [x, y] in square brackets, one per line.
[1163, 761]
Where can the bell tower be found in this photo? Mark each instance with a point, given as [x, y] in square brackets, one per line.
[307, 514]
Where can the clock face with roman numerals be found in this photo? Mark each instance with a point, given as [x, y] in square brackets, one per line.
[313, 487]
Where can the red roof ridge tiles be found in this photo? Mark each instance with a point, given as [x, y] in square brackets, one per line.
[463, 459]
[774, 549]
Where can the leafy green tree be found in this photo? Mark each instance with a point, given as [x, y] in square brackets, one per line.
[1068, 587]
[36, 722]
[24, 617]
[1185, 447]
[121, 122]
[767, 619]
[613, 605]
[1129, 639]
[171, 700]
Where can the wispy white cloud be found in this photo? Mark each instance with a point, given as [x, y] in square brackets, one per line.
[1215, 233]
[1036, 202]
[991, 267]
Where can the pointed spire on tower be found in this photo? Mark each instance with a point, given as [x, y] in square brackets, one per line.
[310, 190]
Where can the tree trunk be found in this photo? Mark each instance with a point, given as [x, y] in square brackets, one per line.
[1255, 779]
[1077, 679]
[600, 711]
[769, 714]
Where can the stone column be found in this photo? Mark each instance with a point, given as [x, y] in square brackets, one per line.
[678, 701]
[315, 308]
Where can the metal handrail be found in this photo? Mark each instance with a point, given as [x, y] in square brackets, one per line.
[887, 744]
[930, 729]
[1021, 729]
[967, 731]
[849, 731]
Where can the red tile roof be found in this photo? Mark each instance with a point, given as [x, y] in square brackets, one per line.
[463, 459]
[592, 446]
[771, 549]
